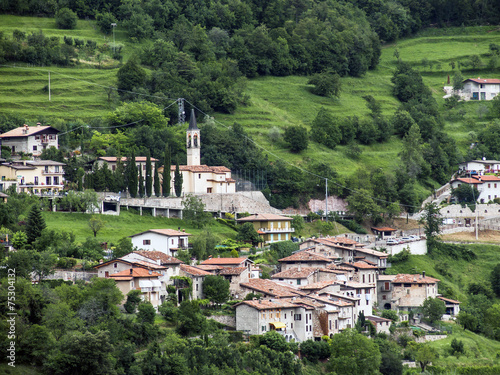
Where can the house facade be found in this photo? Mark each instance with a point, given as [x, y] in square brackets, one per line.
[270, 227]
[479, 167]
[488, 186]
[112, 161]
[480, 88]
[297, 277]
[197, 276]
[30, 139]
[168, 241]
[35, 177]
[147, 281]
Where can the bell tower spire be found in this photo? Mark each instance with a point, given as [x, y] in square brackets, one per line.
[193, 141]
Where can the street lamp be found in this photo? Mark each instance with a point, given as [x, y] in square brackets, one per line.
[113, 25]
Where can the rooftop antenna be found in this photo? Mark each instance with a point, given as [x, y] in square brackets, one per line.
[182, 113]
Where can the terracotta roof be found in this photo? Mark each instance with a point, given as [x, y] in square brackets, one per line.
[295, 273]
[158, 255]
[210, 267]
[341, 240]
[201, 169]
[386, 277]
[44, 162]
[486, 178]
[141, 263]
[271, 288]
[32, 130]
[224, 261]
[113, 159]
[195, 271]
[356, 285]
[164, 232]
[448, 300]
[378, 319]
[384, 229]
[318, 285]
[468, 180]
[311, 303]
[228, 271]
[414, 279]
[264, 304]
[343, 267]
[492, 81]
[305, 256]
[363, 265]
[136, 272]
[265, 217]
[336, 301]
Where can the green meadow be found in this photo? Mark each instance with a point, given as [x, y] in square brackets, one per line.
[78, 92]
[126, 224]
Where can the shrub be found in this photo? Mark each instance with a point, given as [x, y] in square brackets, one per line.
[66, 19]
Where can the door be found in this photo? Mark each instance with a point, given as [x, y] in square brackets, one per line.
[483, 96]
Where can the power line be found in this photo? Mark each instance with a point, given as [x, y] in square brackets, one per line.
[298, 167]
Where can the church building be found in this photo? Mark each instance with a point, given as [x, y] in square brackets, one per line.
[198, 178]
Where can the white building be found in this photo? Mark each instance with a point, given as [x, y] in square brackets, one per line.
[44, 176]
[479, 167]
[30, 139]
[481, 89]
[168, 241]
[488, 186]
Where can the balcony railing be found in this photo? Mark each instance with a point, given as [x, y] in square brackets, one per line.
[59, 173]
[277, 230]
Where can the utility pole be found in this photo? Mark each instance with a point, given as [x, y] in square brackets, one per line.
[326, 199]
[113, 25]
[182, 113]
[49, 86]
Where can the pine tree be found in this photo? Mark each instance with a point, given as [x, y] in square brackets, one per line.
[149, 176]
[35, 223]
[177, 180]
[132, 176]
[166, 172]
[156, 180]
[141, 182]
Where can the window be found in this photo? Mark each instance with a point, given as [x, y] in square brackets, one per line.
[115, 265]
[56, 168]
[48, 180]
[146, 242]
[56, 180]
[489, 185]
[285, 315]
[407, 291]
[199, 175]
[297, 317]
[495, 186]
[46, 169]
[263, 328]
[329, 324]
[407, 285]
[291, 325]
[270, 315]
[298, 281]
[113, 168]
[36, 180]
[384, 297]
[34, 148]
[307, 328]
[196, 287]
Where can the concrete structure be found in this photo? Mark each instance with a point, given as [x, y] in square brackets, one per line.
[36, 177]
[479, 166]
[168, 241]
[270, 227]
[197, 275]
[452, 308]
[30, 139]
[481, 89]
[383, 232]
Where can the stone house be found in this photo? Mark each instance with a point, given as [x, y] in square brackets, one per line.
[269, 289]
[346, 310]
[197, 275]
[228, 262]
[168, 241]
[296, 276]
[147, 281]
[382, 325]
[321, 287]
[480, 89]
[364, 272]
[364, 293]
[171, 264]
[235, 276]
[304, 259]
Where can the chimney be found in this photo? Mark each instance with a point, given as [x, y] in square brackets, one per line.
[131, 271]
[38, 124]
[423, 274]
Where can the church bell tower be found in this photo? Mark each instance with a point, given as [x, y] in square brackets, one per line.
[193, 141]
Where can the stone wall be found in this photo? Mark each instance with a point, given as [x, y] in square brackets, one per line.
[71, 275]
[427, 338]
[227, 320]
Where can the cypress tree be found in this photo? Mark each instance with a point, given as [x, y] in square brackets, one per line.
[35, 223]
[156, 180]
[132, 176]
[141, 182]
[166, 172]
[177, 180]
[149, 176]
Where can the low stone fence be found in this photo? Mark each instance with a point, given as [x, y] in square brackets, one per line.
[428, 338]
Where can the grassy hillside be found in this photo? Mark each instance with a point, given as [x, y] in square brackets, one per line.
[455, 275]
[127, 224]
[274, 101]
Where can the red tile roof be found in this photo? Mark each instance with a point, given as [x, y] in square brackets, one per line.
[448, 300]
[414, 279]
[195, 271]
[295, 273]
[486, 178]
[209, 267]
[136, 272]
[158, 255]
[378, 319]
[264, 304]
[224, 261]
[305, 256]
[164, 232]
[492, 81]
[32, 130]
[469, 180]
[363, 265]
[201, 169]
[318, 285]
[265, 217]
[271, 288]
[384, 229]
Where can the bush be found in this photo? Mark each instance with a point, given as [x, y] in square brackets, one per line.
[66, 19]
[66, 263]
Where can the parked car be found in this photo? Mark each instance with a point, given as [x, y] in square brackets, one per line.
[406, 239]
[392, 241]
[415, 237]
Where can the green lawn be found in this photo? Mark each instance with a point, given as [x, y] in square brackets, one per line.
[126, 224]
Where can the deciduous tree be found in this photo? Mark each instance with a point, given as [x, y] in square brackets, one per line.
[216, 289]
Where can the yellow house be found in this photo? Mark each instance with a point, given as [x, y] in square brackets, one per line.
[32, 176]
[270, 227]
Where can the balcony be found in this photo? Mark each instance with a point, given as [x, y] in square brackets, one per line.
[276, 230]
[59, 173]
